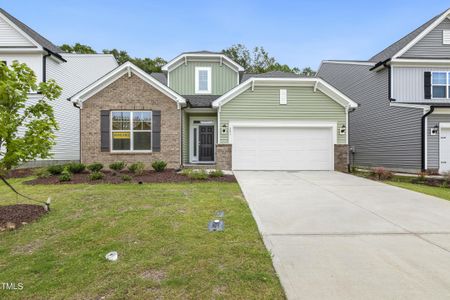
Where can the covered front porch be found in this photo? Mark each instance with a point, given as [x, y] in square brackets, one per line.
[199, 138]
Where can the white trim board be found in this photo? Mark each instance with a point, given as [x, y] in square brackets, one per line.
[115, 74]
[174, 63]
[318, 83]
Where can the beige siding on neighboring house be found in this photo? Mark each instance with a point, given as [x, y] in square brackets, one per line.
[264, 104]
[130, 93]
[182, 78]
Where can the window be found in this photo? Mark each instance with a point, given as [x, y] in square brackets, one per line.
[446, 37]
[283, 96]
[440, 85]
[131, 130]
[203, 80]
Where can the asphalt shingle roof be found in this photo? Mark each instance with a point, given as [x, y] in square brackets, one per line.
[200, 101]
[161, 77]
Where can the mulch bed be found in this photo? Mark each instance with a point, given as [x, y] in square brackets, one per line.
[19, 173]
[168, 176]
[14, 216]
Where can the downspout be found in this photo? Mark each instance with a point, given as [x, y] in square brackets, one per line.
[424, 119]
[44, 67]
[181, 136]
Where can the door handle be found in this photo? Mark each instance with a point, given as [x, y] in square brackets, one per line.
[443, 162]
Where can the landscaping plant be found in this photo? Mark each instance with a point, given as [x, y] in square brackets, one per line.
[96, 175]
[55, 169]
[381, 173]
[137, 168]
[75, 167]
[159, 165]
[118, 166]
[126, 177]
[198, 174]
[216, 173]
[65, 176]
[41, 173]
[95, 167]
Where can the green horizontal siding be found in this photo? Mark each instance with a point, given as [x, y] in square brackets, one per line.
[182, 79]
[264, 104]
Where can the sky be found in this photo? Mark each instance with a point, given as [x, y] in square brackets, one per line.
[298, 33]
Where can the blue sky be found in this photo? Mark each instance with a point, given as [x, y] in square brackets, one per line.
[298, 33]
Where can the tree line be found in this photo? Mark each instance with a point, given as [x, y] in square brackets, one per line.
[256, 60]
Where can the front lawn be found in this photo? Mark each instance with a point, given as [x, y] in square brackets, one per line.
[441, 192]
[160, 233]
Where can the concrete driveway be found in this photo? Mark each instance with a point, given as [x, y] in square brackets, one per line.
[337, 236]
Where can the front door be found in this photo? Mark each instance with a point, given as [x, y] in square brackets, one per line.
[444, 150]
[206, 143]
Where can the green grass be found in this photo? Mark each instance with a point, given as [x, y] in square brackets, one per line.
[160, 232]
[440, 192]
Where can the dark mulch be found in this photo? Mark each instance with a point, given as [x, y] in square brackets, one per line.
[167, 176]
[437, 182]
[14, 216]
[19, 173]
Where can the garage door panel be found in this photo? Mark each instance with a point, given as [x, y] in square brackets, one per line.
[278, 148]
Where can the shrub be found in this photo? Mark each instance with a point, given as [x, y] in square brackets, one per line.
[186, 172]
[75, 167]
[65, 176]
[96, 175]
[95, 167]
[159, 165]
[118, 166]
[216, 173]
[381, 173]
[55, 169]
[421, 176]
[41, 173]
[126, 177]
[137, 168]
[198, 175]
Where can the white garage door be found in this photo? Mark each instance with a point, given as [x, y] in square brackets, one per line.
[282, 148]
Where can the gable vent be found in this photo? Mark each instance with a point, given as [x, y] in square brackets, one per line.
[283, 96]
[446, 37]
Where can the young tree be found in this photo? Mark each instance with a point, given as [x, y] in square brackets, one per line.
[27, 130]
[77, 48]
[149, 65]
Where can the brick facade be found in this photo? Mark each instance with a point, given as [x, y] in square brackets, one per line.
[130, 93]
[341, 158]
[223, 156]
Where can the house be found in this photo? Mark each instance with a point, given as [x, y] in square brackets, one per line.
[203, 110]
[403, 122]
[70, 71]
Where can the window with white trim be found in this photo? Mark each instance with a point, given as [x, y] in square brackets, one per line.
[440, 85]
[203, 80]
[131, 131]
[446, 37]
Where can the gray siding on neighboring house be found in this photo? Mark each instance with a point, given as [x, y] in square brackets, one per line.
[382, 135]
[433, 140]
[408, 83]
[431, 46]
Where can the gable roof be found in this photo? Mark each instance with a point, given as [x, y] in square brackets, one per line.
[202, 54]
[118, 72]
[315, 82]
[409, 40]
[42, 41]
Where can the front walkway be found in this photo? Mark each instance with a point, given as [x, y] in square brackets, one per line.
[337, 236]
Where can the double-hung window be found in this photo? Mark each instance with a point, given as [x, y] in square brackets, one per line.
[440, 85]
[203, 80]
[131, 130]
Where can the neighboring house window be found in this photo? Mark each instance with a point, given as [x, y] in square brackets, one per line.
[203, 80]
[131, 130]
[439, 85]
[446, 37]
[283, 96]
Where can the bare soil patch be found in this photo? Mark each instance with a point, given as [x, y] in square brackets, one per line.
[168, 176]
[19, 173]
[14, 216]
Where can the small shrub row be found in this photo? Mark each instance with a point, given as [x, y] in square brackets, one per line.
[201, 174]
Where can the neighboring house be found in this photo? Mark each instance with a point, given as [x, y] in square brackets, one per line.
[403, 121]
[70, 71]
[204, 111]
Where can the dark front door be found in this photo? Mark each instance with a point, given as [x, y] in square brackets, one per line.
[206, 145]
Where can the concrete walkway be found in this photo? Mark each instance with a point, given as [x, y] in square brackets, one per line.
[337, 236]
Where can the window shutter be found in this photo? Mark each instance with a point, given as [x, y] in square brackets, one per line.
[427, 85]
[104, 129]
[156, 131]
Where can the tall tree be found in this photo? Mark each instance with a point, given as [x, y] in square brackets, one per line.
[27, 131]
[77, 48]
[149, 65]
[258, 60]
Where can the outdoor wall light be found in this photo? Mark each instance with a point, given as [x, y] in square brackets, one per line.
[434, 130]
[342, 129]
[224, 128]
